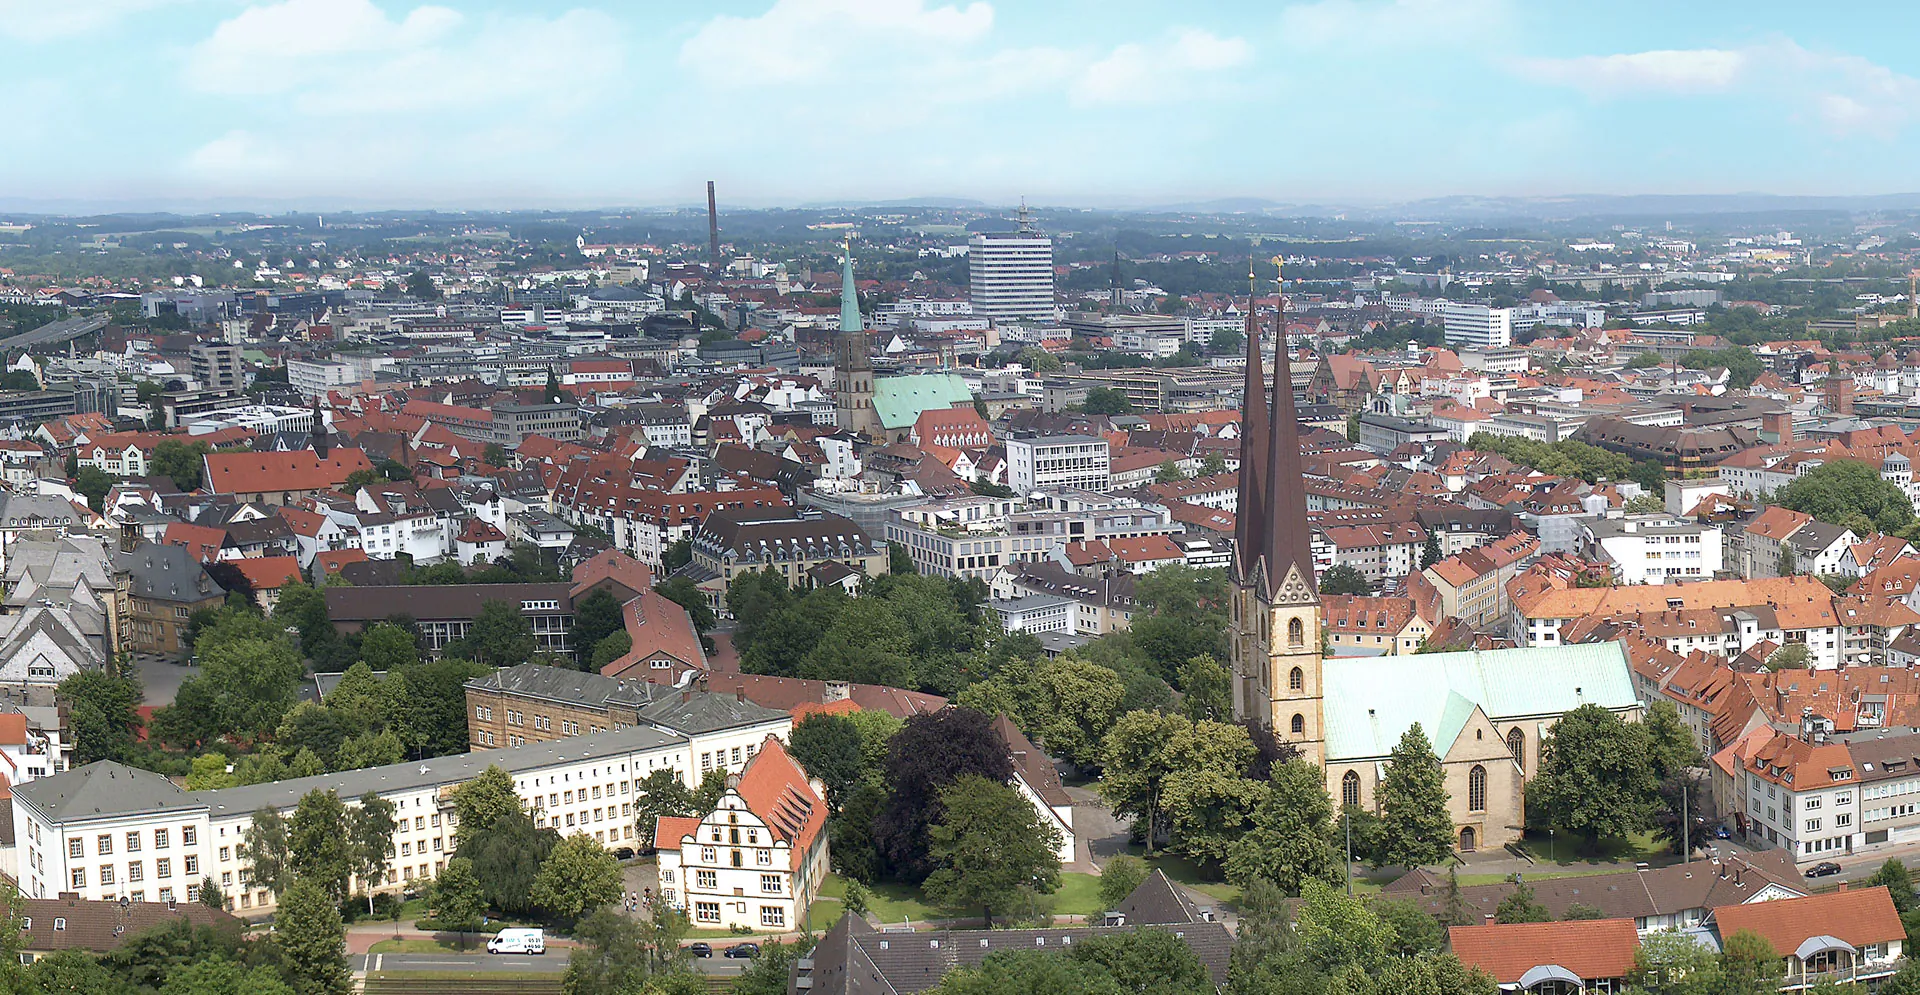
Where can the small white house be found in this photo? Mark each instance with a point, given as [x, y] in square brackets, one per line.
[757, 860]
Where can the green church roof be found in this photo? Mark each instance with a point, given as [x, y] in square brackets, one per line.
[1370, 701]
[899, 400]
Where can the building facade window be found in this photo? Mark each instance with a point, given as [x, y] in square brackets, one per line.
[1350, 789]
[1517, 745]
[1298, 725]
[1477, 789]
[1296, 680]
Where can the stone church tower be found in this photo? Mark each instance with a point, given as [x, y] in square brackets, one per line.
[852, 366]
[1276, 637]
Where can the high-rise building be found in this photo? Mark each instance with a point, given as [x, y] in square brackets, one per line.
[852, 366]
[216, 365]
[1012, 272]
[1478, 326]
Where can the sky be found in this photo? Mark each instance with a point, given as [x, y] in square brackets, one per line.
[605, 103]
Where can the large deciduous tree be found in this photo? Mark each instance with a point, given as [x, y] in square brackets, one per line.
[577, 877]
[829, 748]
[930, 752]
[1290, 843]
[989, 849]
[1596, 775]
[312, 940]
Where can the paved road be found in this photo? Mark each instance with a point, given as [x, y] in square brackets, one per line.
[58, 331]
[552, 962]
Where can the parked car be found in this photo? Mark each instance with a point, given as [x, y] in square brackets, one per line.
[744, 950]
[700, 949]
[1822, 869]
[1722, 833]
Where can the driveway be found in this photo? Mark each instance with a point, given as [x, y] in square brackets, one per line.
[160, 677]
[1098, 833]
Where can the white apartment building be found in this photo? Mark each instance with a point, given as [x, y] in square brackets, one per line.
[1654, 549]
[1478, 326]
[758, 859]
[1079, 461]
[107, 831]
[1011, 274]
[315, 377]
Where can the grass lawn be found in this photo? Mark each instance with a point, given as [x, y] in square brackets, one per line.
[823, 913]
[1564, 850]
[1078, 895]
[475, 945]
[894, 902]
[1551, 871]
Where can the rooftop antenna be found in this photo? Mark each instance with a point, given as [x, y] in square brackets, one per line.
[1026, 222]
[713, 230]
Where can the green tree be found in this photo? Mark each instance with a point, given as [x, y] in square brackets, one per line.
[210, 895]
[220, 976]
[1337, 931]
[1645, 360]
[388, 648]
[577, 877]
[100, 715]
[1670, 745]
[1169, 472]
[458, 902]
[1291, 840]
[1793, 656]
[851, 838]
[1894, 877]
[1453, 909]
[1075, 703]
[507, 857]
[1596, 775]
[1212, 465]
[753, 598]
[312, 940]
[990, 849]
[180, 462]
[1146, 960]
[1414, 931]
[1107, 401]
[485, 801]
[1645, 504]
[1122, 874]
[1521, 906]
[1342, 578]
[420, 286]
[1788, 565]
[1833, 491]
[370, 828]
[430, 701]
[1430, 553]
[501, 636]
[1146, 752]
[1578, 911]
[595, 617]
[268, 850]
[495, 454]
[1353, 426]
[1039, 360]
[608, 650]
[683, 592]
[1209, 810]
[70, 972]
[1750, 964]
[1742, 365]
[767, 973]
[370, 749]
[931, 751]
[93, 484]
[829, 748]
[661, 793]
[1673, 963]
[1206, 690]
[319, 849]
[249, 677]
[618, 954]
[1417, 828]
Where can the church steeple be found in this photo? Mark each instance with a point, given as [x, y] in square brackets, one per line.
[1287, 538]
[849, 296]
[319, 430]
[1250, 523]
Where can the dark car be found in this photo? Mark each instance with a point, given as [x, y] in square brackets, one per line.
[700, 949]
[1722, 833]
[1822, 869]
[744, 950]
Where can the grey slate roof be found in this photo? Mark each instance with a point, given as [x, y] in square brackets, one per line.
[700, 712]
[1157, 901]
[101, 788]
[571, 686]
[168, 573]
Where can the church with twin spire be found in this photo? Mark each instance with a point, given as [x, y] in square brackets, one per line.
[1485, 713]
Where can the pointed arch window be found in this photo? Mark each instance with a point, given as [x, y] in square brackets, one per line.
[1477, 789]
[1296, 680]
[1350, 789]
[1299, 724]
[1296, 632]
[1517, 745]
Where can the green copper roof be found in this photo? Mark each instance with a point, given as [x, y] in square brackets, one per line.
[1370, 701]
[899, 400]
[849, 297]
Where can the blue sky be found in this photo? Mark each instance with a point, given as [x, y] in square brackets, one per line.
[368, 103]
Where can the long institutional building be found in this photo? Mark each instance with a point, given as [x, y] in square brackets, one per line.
[108, 831]
[1484, 712]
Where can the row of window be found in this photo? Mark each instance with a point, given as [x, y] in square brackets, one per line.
[770, 915]
[136, 871]
[103, 843]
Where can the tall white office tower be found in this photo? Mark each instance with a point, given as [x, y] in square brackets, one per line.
[1012, 272]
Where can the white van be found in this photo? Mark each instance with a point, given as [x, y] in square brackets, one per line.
[518, 941]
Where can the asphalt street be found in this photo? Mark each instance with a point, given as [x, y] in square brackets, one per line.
[553, 961]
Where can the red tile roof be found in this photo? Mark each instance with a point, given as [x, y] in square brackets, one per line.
[1858, 916]
[1592, 948]
[330, 561]
[202, 541]
[269, 573]
[775, 788]
[669, 830]
[298, 470]
[657, 625]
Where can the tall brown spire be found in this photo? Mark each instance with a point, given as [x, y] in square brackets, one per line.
[1250, 525]
[1287, 542]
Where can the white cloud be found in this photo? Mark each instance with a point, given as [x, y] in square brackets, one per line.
[45, 20]
[1388, 22]
[1843, 93]
[352, 57]
[236, 153]
[262, 49]
[1137, 73]
[803, 40]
